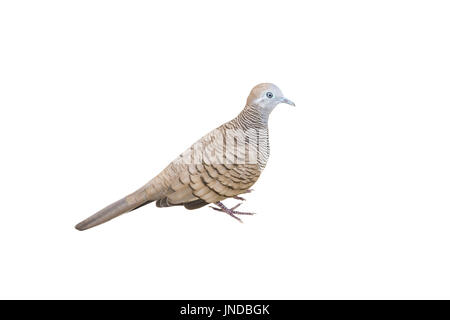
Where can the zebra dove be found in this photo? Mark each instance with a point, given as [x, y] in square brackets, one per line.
[223, 164]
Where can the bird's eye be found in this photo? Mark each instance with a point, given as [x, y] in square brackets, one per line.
[269, 95]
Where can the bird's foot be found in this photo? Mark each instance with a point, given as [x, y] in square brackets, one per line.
[232, 212]
[240, 198]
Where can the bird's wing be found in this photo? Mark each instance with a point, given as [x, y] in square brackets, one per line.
[210, 183]
[205, 173]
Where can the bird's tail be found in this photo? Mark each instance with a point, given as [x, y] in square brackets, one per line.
[127, 204]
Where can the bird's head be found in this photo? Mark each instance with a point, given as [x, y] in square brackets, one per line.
[267, 96]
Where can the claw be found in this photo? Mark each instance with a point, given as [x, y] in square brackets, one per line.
[238, 219]
[231, 211]
[244, 213]
[240, 198]
[217, 209]
[235, 207]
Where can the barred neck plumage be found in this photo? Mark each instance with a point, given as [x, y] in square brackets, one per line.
[251, 123]
[252, 117]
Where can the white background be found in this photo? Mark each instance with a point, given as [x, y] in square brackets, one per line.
[97, 97]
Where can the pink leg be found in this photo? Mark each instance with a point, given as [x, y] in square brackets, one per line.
[231, 211]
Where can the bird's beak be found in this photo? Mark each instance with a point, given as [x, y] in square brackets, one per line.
[287, 101]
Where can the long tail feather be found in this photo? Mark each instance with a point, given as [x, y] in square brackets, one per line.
[127, 204]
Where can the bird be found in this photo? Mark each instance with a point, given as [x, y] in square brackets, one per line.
[225, 163]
